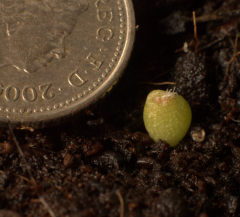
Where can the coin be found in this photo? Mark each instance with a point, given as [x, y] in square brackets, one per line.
[59, 57]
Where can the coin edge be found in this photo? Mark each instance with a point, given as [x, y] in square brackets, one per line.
[49, 120]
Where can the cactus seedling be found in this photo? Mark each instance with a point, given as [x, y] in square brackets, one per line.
[167, 116]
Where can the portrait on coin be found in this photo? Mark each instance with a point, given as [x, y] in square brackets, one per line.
[33, 32]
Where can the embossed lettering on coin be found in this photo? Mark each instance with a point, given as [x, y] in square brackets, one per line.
[57, 57]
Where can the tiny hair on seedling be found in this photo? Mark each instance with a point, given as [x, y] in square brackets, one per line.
[167, 116]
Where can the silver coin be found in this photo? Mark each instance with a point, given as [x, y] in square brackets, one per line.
[59, 57]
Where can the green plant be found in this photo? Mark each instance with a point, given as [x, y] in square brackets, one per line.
[167, 116]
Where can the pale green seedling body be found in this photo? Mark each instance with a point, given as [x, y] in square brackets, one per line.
[167, 116]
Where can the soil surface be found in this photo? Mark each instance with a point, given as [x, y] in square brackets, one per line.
[105, 164]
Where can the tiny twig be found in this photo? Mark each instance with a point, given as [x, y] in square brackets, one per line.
[48, 151]
[22, 177]
[210, 44]
[210, 17]
[44, 203]
[121, 203]
[238, 121]
[236, 44]
[195, 31]
[232, 59]
[162, 74]
[229, 63]
[22, 155]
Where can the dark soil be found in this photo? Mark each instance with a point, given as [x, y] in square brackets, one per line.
[87, 166]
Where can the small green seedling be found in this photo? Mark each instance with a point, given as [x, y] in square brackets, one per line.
[167, 116]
